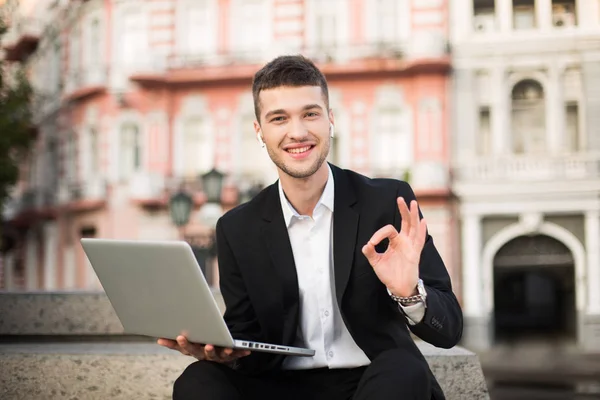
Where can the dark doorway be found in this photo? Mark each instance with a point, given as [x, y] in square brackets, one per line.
[534, 291]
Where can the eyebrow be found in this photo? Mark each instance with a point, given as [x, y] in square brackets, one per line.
[282, 111]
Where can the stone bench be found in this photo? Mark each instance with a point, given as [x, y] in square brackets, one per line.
[72, 346]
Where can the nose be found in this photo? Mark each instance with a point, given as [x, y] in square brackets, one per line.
[297, 130]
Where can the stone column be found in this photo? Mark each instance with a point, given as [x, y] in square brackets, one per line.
[543, 14]
[555, 109]
[462, 19]
[9, 271]
[590, 326]
[50, 244]
[504, 11]
[31, 263]
[500, 115]
[592, 241]
[476, 335]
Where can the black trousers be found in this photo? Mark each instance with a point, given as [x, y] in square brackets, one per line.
[395, 374]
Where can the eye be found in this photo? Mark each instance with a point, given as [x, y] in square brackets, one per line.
[312, 114]
[278, 119]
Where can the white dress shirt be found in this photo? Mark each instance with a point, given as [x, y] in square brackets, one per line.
[321, 327]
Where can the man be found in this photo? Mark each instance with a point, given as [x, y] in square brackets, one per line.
[324, 258]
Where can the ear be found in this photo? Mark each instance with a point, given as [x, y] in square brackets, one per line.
[331, 123]
[258, 133]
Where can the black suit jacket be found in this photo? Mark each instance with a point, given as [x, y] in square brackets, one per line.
[259, 284]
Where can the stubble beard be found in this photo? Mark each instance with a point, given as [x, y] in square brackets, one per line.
[300, 173]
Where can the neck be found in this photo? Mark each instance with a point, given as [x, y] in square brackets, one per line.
[304, 194]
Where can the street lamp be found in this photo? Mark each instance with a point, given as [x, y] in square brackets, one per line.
[212, 185]
[180, 207]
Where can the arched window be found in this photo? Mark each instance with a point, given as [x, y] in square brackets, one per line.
[528, 117]
[130, 150]
[198, 154]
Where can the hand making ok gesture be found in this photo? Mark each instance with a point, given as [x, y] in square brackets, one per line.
[398, 267]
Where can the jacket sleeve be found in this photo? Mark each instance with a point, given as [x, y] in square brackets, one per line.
[239, 315]
[442, 324]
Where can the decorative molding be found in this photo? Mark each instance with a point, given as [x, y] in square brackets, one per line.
[572, 204]
[531, 220]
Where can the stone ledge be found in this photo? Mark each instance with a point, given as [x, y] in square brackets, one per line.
[88, 369]
[60, 313]
[147, 371]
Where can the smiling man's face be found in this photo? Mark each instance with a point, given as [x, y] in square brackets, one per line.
[294, 125]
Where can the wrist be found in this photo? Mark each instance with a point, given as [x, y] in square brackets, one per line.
[404, 292]
[417, 296]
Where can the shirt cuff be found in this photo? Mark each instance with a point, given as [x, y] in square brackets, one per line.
[414, 312]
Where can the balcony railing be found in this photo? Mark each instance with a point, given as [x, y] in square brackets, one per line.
[530, 168]
[85, 79]
[92, 189]
[146, 186]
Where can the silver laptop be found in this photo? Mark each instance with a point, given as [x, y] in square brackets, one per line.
[158, 290]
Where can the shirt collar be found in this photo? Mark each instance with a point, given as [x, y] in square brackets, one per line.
[326, 199]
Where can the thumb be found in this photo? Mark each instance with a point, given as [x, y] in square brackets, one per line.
[371, 254]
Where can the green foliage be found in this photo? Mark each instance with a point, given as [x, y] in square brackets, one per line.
[16, 133]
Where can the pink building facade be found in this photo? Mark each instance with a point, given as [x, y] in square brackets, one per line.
[142, 96]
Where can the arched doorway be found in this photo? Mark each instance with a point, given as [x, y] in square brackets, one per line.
[534, 291]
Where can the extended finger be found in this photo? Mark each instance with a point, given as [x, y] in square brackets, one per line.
[405, 216]
[388, 231]
[414, 220]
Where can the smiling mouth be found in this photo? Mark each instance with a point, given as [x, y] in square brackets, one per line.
[299, 150]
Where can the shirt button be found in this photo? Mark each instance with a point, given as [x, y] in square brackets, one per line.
[326, 313]
[330, 354]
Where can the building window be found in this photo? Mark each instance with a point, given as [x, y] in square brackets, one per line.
[94, 152]
[574, 139]
[484, 143]
[134, 42]
[197, 31]
[94, 44]
[524, 14]
[327, 19]
[392, 145]
[251, 37]
[484, 16]
[71, 158]
[564, 13]
[55, 68]
[74, 47]
[528, 117]
[387, 28]
[198, 154]
[130, 150]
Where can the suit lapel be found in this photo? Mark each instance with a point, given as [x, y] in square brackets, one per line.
[280, 251]
[345, 229]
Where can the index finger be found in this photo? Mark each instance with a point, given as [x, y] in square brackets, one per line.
[387, 231]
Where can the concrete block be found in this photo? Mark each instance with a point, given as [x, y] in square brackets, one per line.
[147, 371]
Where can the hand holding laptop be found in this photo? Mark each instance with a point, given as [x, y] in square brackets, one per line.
[203, 352]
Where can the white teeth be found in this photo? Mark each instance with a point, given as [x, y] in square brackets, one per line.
[299, 150]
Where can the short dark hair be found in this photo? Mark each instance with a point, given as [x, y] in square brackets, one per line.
[289, 70]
